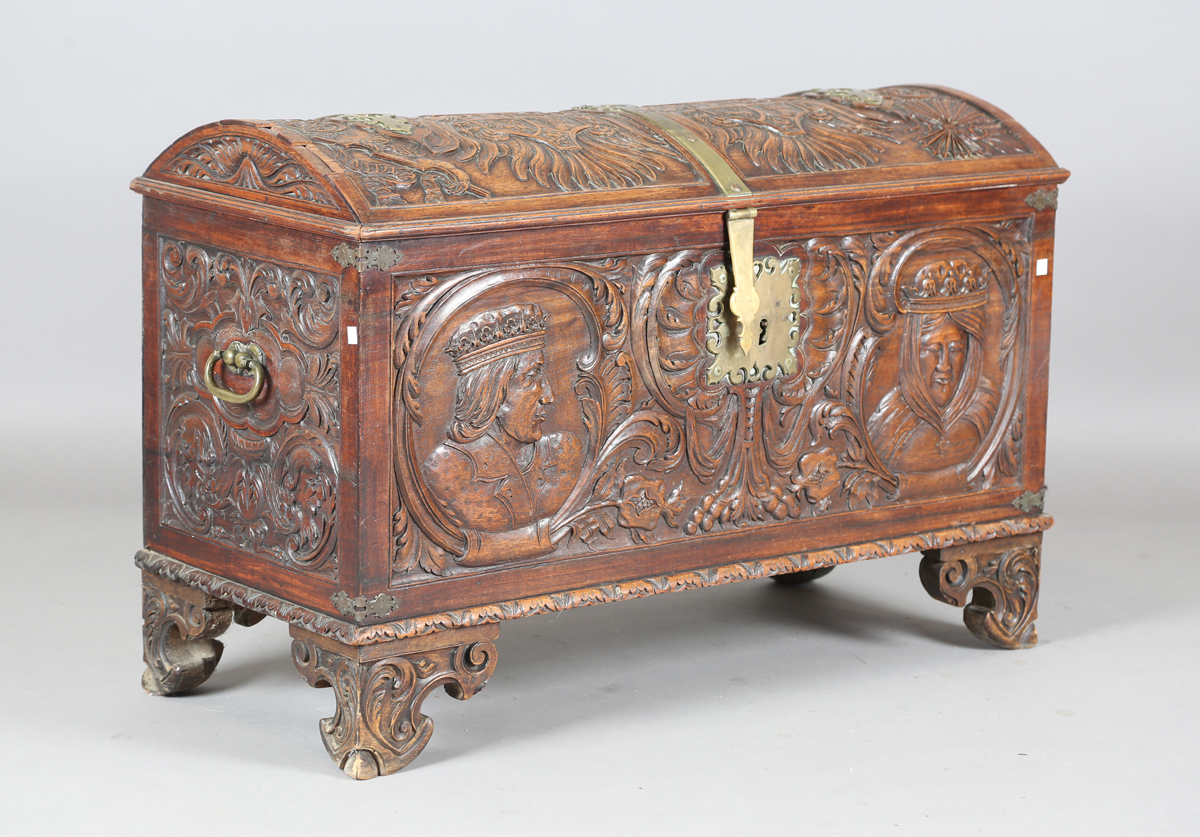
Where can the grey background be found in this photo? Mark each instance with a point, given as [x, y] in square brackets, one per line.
[856, 706]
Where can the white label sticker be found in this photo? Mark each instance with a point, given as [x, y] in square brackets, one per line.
[352, 333]
[1043, 267]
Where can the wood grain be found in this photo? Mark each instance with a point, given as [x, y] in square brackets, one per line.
[499, 374]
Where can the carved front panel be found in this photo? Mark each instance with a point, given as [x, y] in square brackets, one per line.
[263, 476]
[553, 410]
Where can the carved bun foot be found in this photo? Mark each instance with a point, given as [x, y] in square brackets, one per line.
[179, 627]
[361, 764]
[1003, 576]
[378, 727]
[801, 576]
[247, 618]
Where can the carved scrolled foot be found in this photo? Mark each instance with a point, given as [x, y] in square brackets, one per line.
[179, 626]
[1002, 576]
[378, 727]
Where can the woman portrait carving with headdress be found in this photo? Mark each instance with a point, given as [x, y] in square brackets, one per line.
[497, 475]
[929, 425]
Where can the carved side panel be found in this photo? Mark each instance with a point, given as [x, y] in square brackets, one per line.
[548, 411]
[260, 477]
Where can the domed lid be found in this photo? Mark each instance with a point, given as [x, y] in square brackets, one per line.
[400, 173]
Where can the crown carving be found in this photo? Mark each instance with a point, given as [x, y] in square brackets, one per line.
[497, 334]
[946, 285]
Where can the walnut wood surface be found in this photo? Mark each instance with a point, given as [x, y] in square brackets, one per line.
[378, 727]
[179, 629]
[1002, 579]
[353, 627]
[366, 168]
[911, 348]
[391, 296]
[488, 342]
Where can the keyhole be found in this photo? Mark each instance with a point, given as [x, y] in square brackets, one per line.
[762, 332]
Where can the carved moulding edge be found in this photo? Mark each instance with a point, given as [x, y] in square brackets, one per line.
[248, 597]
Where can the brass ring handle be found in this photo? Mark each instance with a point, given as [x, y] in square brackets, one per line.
[244, 359]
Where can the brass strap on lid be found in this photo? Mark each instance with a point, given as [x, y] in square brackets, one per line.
[739, 223]
[721, 172]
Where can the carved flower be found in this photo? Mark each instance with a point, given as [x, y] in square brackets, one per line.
[819, 476]
[643, 501]
[957, 130]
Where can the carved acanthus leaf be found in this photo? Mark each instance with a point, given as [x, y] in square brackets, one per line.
[1001, 578]
[792, 135]
[564, 151]
[447, 158]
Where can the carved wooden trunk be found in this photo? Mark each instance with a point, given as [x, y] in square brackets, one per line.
[407, 379]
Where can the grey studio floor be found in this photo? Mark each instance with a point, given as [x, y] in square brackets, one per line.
[856, 705]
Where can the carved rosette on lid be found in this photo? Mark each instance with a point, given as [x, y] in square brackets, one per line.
[260, 477]
[583, 411]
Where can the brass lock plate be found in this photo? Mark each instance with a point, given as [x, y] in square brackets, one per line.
[774, 328]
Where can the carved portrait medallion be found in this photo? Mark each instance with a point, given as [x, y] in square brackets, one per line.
[946, 308]
[498, 473]
[514, 425]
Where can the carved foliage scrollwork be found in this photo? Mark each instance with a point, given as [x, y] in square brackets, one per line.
[1001, 579]
[663, 452]
[179, 630]
[378, 727]
[803, 444]
[250, 165]
[260, 477]
[449, 158]
[833, 130]
[764, 451]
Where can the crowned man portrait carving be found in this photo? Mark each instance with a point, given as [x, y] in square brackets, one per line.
[938, 415]
[498, 475]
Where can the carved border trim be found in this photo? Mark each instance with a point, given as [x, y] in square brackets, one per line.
[320, 623]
